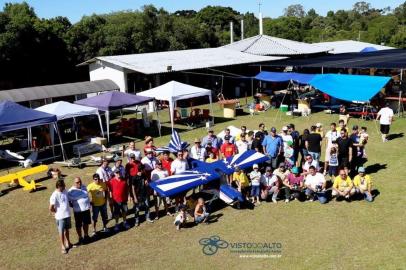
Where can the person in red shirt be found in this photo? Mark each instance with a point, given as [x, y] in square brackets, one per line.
[118, 188]
[166, 162]
[228, 149]
[211, 149]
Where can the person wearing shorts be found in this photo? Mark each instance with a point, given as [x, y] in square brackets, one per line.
[59, 206]
[255, 177]
[119, 192]
[79, 199]
[98, 199]
[385, 117]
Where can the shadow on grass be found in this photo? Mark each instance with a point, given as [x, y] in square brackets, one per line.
[374, 168]
[395, 136]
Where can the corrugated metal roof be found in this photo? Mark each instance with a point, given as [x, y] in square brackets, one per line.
[347, 46]
[158, 62]
[267, 45]
[57, 90]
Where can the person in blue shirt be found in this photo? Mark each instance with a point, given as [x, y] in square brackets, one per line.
[273, 145]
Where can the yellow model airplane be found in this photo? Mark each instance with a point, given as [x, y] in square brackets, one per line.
[20, 176]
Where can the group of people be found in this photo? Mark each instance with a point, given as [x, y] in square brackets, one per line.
[293, 169]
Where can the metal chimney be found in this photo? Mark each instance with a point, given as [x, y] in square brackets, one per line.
[231, 32]
[242, 29]
[261, 28]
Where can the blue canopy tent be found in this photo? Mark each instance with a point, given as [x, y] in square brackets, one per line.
[14, 116]
[368, 49]
[284, 77]
[340, 86]
[349, 87]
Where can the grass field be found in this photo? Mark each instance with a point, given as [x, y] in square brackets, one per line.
[338, 235]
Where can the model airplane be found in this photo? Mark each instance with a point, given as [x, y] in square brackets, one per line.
[14, 157]
[21, 175]
[204, 173]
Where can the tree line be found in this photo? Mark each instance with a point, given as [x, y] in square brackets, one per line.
[37, 51]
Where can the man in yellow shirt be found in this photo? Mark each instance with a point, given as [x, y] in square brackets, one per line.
[241, 179]
[98, 194]
[363, 184]
[342, 186]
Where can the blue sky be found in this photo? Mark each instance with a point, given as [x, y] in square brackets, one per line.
[75, 9]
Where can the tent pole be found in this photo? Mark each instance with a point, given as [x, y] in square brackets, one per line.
[252, 87]
[211, 109]
[158, 122]
[101, 124]
[60, 141]
[52, 134]
[400, 92]
[76, 128]
[171, 105]
[108, 125]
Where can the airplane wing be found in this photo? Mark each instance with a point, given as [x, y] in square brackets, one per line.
[11, 156]
[229, 194]
[244, 161]
[176, 184]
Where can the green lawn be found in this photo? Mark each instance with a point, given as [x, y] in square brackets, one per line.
[338, 235]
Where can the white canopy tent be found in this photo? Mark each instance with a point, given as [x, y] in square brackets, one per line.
[174, 91]
[65, 110]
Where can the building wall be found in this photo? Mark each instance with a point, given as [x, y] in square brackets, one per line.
[100, 71]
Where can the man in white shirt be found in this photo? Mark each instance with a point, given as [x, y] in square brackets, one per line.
[242, 144]
[286, 137]
[331, 138]
[79, 198]
[59, 206]
[227, 132]
[104, 171]
[197, 151]
[179, 165]
[315, 185]
[385, 117]
[132, 150]
[149, 162]
[308, 163]
[271, 185]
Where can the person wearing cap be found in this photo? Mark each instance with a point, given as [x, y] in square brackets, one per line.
[149, 145]
[118, 165]
[241, 180]
[99, 196]
[211, 138]
[293, 185]
[228, 149]
[118, 189]
[261, 132]
[227, 132]
[342, 186]
[79, 199]
[363, 184]
[242, 144]
[385, 117]
[273, 145]
[159, 173]
[132, 150]
[197, 151]
[149, 162]
[315, 184]
[271, 185]
[255, 177]
[313, 143]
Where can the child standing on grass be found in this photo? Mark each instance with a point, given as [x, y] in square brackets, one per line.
[255, 177]
[333, 162]
[363, 139]
[59, 206]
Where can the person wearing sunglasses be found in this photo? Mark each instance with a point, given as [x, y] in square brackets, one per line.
[98, 200]
[79, 198]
